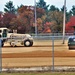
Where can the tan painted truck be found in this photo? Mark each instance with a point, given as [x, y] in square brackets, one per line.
[14, 38]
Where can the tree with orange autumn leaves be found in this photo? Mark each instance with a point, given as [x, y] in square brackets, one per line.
[25, 20]
[49, 20]
[5, 19]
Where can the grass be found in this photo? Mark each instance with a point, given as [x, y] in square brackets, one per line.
[49, 73]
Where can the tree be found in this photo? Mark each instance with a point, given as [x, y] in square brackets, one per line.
[20, 6]
[39, 25]
[73, 10]
[68, 14]
[6, 19]
[27, 12]
[42, 4]
[26, 19]
[62, 9]
[53, 8]
[56, 18]
[40, 12]
[9, 7]
[47, 27]
[1, 19]
[18, 24]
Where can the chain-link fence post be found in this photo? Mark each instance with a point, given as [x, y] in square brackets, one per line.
[53, 53]
[0, 55]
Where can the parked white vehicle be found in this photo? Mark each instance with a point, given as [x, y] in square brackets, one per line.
[14, 38]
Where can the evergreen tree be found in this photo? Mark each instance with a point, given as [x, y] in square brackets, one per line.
[73, 10]
[42, 4]
[20, 6]
[9, 7]
[53, 8]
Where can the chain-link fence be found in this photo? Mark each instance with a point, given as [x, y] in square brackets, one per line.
[47, 51]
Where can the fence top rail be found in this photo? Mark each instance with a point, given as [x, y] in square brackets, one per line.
[53, 34]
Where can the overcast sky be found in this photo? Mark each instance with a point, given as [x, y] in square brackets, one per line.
[57, 3]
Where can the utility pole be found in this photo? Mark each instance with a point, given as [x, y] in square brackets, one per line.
[64, 21]
[35, 18]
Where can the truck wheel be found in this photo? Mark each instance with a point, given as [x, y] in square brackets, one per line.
[28, 43]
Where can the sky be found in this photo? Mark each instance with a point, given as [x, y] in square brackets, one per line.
[57, 3]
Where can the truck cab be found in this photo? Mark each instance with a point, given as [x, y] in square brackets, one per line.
[3, 32]
[14, 38]
[3, 35]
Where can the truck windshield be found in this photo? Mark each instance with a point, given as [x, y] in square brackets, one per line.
[0, 31]
[4, 33]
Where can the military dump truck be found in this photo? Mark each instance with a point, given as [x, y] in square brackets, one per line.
[14, 38]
